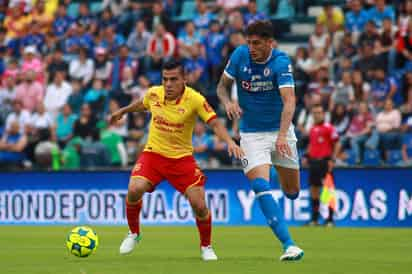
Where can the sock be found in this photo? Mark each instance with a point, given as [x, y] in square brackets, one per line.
[205, 230]
[330, 217]
[133, 215]
[274, 180]
[272, 211]
[315, 209]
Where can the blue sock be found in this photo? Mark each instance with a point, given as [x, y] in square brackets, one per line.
[272, 212]
[274, 180]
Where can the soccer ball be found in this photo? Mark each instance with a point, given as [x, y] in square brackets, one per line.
[82, 241]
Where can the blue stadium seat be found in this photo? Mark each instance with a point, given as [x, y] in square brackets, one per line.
[188, 11]
[73, 10]
[394, 157]
[95, 7]
[351, 160]
[285, 10]
[371, 158]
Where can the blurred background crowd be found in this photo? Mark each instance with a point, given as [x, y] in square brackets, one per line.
[66, 65]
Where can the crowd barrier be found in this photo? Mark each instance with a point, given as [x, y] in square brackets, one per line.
[365, 197]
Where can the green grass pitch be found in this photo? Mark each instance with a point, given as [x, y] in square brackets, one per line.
[35, 249]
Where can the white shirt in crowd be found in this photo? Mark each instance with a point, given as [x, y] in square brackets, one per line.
[24, 118]
[40, 121]
[82, 71]
[56, 97]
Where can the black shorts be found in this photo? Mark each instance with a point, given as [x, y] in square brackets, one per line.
[318, 168]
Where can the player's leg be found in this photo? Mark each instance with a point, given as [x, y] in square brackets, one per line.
[289, 179]
[137, 187]
[196, 198]
[317, 170]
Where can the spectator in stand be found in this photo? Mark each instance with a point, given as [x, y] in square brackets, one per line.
[15, 23]
[161, 47]
[320, 39]
[385, 46]
[318, 60]
[71, 43]
[229, 6]
[30, 92]
[103, 66]
[85, 18]
[405, 18]
[85, 38]
[64, 125]
[196, 71]
[252, 13]
[370, 35]
[138, 40]
[360, 131]
[214, 43]
[236, 23]
[7, 96]
[202, 143]
[383, 87]
[406, 111]
[85, 125]
[57, 94]
[93, 152]
[106, 19]
[346, 48]
[62, 22]
[137, 133]
[388, 123]
[41, 16]
[344, 93]
[129, 88]
[381, 11]
[188, 39]
[361, 87]
[82, 68]
[42, 120]
[322, 86]
[159, 16]
[404, 47]
[122, 60]
[33, 62]
[76, 100]
[356, 18]
[120, 127]
[112, 40]
[33, 37]
[331, 17]
[57, 63]
[114, 144]
[96, 97]
[367, 62]
[22, 116]
[340, 118]
[203, 17]
[12, 146]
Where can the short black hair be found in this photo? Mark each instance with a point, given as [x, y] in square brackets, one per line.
[261, 28]
[173, 64]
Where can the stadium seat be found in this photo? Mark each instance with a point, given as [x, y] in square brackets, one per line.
[371, 158]
[95, 7]
[394, 157]
[188, 11]
[285, 10]
[73, 10]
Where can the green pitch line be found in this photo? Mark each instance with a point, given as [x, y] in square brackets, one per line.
[240, 249]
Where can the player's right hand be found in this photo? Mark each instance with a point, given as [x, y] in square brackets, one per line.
[234, 150]
[233, 110]
[116, 116]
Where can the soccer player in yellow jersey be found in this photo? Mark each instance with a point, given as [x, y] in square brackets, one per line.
[168, 152]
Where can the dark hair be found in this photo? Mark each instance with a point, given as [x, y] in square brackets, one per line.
[173, 64]
[261, 28]
[317, 106]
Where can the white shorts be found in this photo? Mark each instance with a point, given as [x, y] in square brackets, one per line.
[259, 148]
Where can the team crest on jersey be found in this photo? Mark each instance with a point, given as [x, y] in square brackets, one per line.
[246, 85]
[207, 107]
[266, 72]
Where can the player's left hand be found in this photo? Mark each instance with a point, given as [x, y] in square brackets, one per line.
[282, 147]
[234, 150]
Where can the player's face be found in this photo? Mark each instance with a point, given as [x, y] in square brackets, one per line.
[259, 47]
[173, 82]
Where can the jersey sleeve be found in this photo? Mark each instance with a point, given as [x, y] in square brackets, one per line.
[232, 65]
[204, 110]
[284, 73]
[151, 93]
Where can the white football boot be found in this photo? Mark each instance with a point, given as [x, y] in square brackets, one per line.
[129, 243]
[208, 254]
[292, 253]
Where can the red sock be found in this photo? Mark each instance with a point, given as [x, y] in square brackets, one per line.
[205, 230]
[133, 215]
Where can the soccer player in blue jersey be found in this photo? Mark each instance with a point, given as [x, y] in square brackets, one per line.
[266, 97]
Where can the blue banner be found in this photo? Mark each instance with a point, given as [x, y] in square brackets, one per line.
[365, 197]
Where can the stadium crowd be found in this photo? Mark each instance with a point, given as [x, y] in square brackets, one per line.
[65, 66]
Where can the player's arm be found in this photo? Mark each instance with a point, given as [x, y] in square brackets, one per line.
[136, 106]
[289, 102]
[224, 86]
[221, 132]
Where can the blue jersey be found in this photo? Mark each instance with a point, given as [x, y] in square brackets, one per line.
[258, 87]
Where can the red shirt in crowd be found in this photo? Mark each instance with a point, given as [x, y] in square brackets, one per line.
[322, 138]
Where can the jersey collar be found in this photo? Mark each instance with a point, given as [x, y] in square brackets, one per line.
[267, 59]
[177, 101]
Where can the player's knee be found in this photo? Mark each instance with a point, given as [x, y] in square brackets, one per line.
[199, 207]
[291, 191]
[292, 195]
[137, 189]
